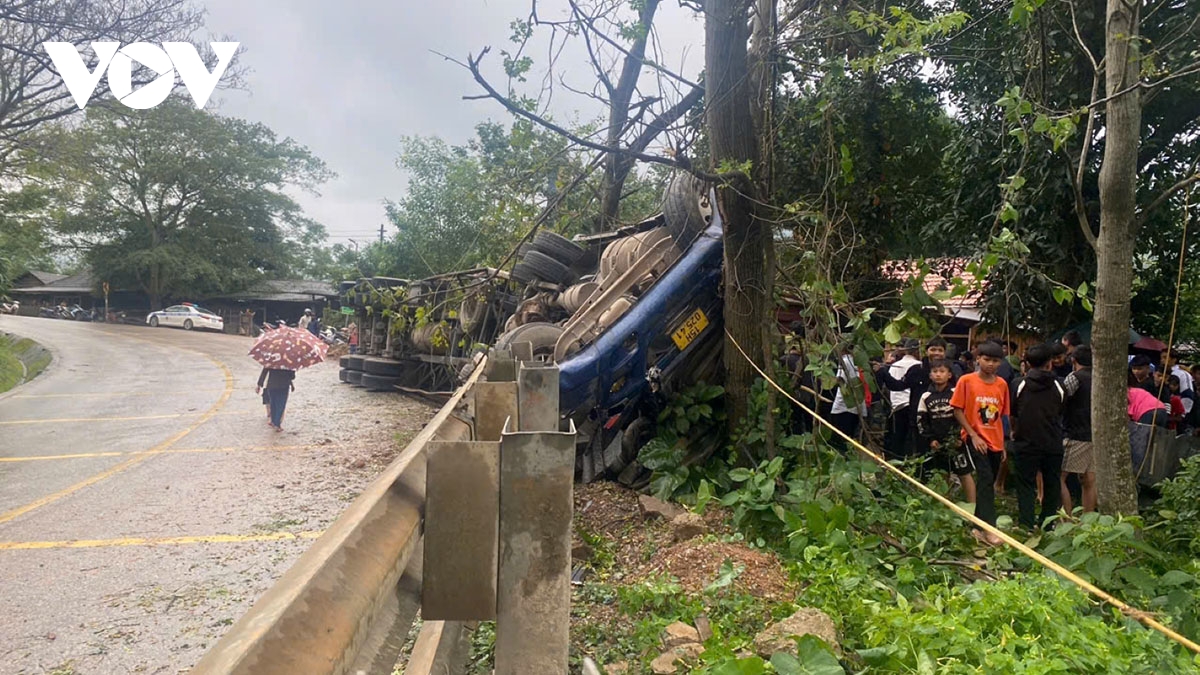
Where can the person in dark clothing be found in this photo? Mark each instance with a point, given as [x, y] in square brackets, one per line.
[1139, 370]
[1037, 408]
[1060, 360]
[898, 437]
[801, 381]
[1079, 458]
[937, 426]
[916, 380]
[278, 383]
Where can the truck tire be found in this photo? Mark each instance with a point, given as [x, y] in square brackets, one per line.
[354, 377]
[344, 362]
[522, 274]
[546, 268]
[342, 374]
[382, 367]
[473, 312]
[355, 362]
[558, 247]
[543, 337]
[687, 208]
[379, 382]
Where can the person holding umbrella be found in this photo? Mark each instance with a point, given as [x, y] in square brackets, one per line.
[282, 352]
[279, 382]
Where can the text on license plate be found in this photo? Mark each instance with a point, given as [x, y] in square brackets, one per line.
[692, 327]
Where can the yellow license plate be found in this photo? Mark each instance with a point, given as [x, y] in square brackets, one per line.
[693, 326]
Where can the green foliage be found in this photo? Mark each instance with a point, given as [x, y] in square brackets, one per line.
[468, 205]
[180, 202]
[900, 576]
[695, 415]
[24, 226]
[648, 606]
[1026, 624]
[1179, 509]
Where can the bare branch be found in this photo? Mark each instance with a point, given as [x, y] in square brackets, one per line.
[1168, 193]
[678, 162]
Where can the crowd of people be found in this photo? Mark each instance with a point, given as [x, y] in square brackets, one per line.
[985, 416]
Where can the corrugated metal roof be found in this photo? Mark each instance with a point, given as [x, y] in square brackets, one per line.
[76, 284]
[36, 278]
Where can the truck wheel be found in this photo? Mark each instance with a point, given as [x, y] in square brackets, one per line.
[473, 312]
[687, 208]
[382, 367]
[379, 382]
[522, 274]
[557, 247]
[546, 268]
[354, 377]
[543, 337]
[355, 362]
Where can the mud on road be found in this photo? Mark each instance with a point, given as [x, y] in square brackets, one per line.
[145, 503]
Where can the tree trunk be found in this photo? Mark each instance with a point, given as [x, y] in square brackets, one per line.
[1114, 261]
[733, 141]
[763, 68]
[618, 166]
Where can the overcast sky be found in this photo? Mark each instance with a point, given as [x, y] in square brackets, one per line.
[348, 82]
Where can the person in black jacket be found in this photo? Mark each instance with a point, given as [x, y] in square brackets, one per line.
[916, 380]
[937, 427]
[1078, 456]
[279, 382]
[1037, 410]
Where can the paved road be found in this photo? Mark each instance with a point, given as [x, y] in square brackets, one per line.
[144, 501]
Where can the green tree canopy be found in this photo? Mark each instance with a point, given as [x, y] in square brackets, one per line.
[177, 201]
[468, 205]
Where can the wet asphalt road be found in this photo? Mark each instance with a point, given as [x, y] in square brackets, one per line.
[144, 501]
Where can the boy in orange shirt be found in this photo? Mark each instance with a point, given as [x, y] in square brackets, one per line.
[981, 404]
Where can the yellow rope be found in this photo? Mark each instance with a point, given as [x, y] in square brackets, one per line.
[1133, 612]
[1187, 217]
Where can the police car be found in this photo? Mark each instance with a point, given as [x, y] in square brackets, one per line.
[186, 316]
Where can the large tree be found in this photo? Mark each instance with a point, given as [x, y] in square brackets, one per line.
[733, 117]
[31, 91]
[178, 201]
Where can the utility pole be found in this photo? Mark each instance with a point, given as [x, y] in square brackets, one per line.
[381, 233]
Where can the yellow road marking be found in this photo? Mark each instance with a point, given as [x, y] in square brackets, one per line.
[134, 418]
[155, 394]
[136, 459]
[155, 541]
[89, 455]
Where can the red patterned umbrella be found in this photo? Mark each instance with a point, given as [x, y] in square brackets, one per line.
[289, 349]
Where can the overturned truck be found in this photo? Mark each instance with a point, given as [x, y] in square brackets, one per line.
[628, 316]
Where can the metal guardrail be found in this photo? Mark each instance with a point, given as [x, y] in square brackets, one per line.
[492, 473]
